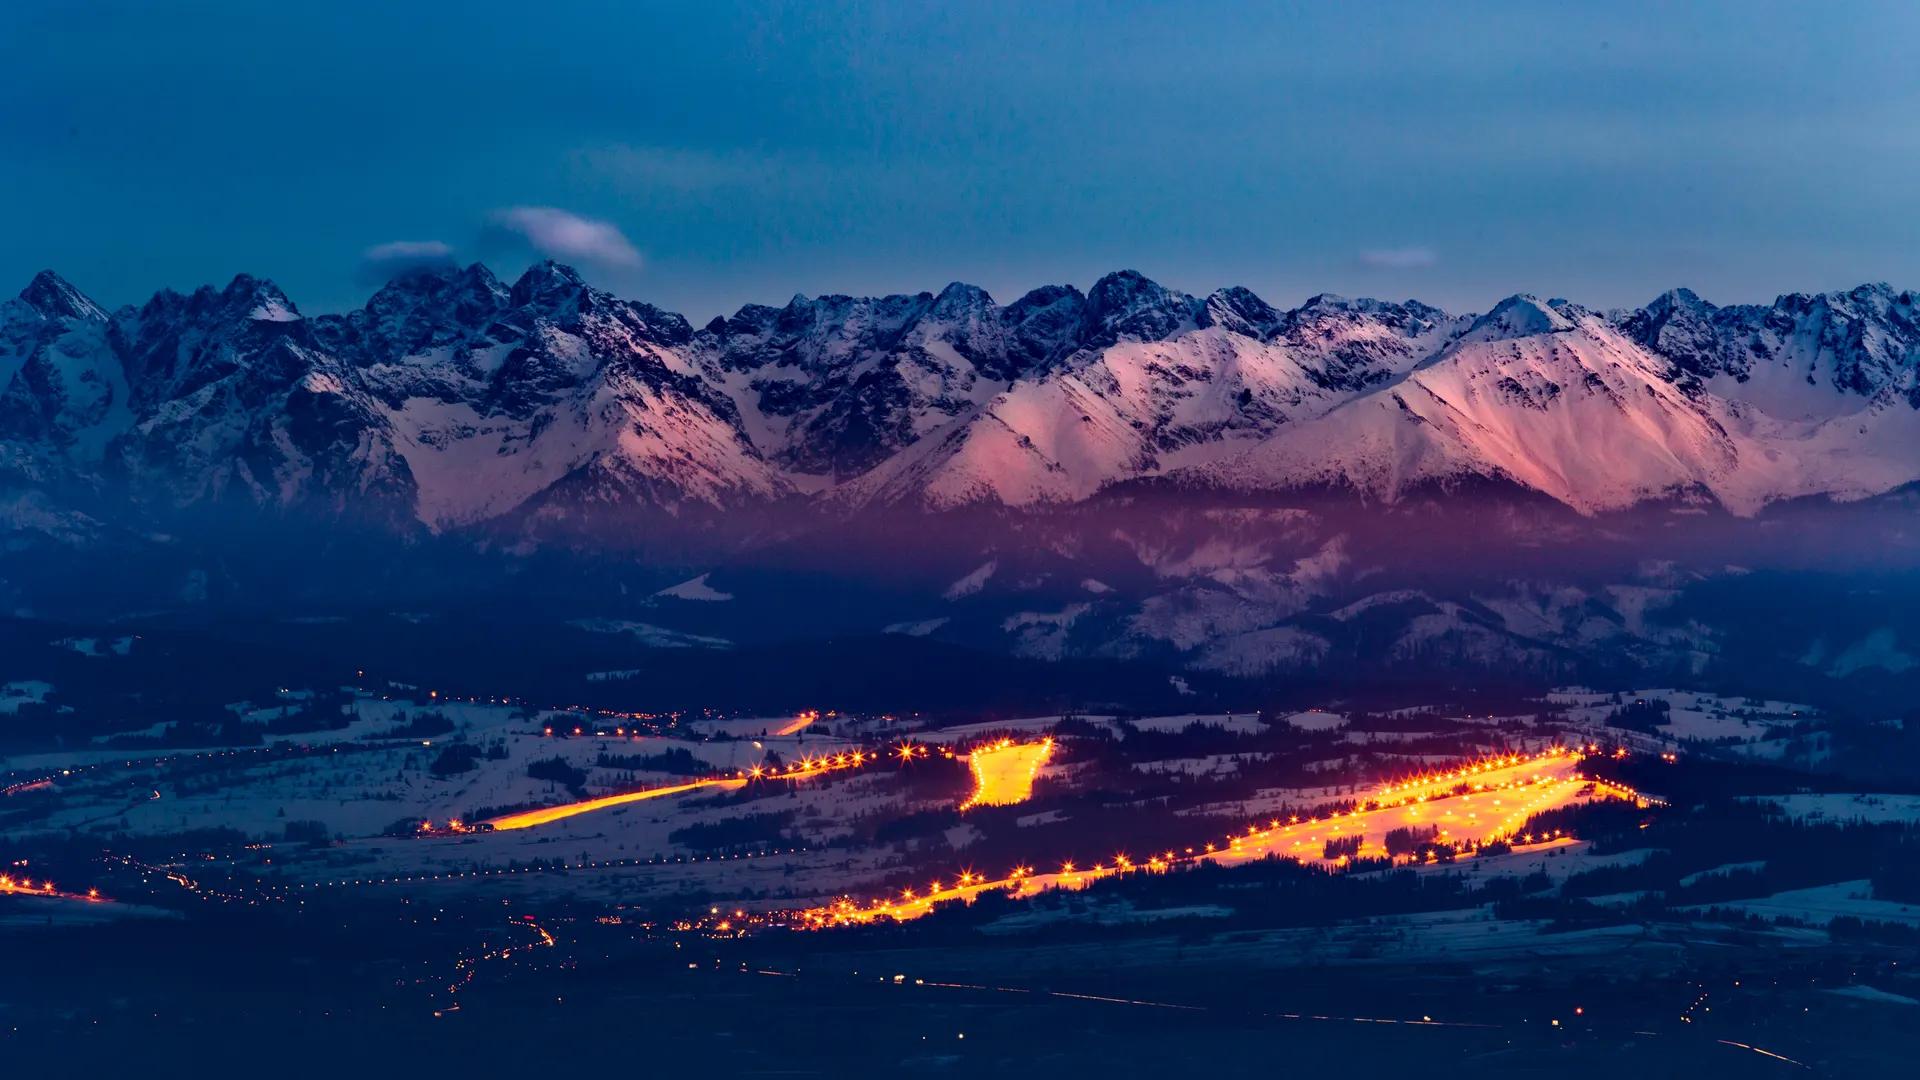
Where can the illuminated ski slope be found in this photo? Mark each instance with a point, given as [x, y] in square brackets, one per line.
[1003, 772]
[1469, 807]
[547, 815]
[800, 770]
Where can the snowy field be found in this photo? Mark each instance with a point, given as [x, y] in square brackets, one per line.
[1822, 904]
[23, 692]
[364, 787]
[1862, 808]
[1758, 729]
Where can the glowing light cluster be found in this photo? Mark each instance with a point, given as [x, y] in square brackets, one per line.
[21, 886]
[799, 723]
[1003, 772]
[1473, 774]
[1500, 795]
[803, 769]
[547, 815]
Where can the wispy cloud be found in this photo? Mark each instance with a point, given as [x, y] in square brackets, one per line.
[677, 169]
[382, 263]
[759, 177]
[1401, 258]
[562, 234]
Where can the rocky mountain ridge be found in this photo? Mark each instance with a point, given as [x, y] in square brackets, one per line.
[454, 400]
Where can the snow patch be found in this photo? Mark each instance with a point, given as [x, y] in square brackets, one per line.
[273, 311]
[695, 589]
[916, 629]
[657, 636]
[973, 582]
[23, 692]
[1316, 720]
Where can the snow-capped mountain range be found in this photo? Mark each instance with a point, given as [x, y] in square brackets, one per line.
[455, 401]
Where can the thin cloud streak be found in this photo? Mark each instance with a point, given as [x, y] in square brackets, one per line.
[1404, 258]
[382, 263]
[562, 234]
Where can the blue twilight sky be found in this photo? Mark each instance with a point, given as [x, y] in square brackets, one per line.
[705, 154]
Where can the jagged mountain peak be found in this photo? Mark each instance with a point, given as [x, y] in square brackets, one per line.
[1679, 298]
[437, 278]
[1793, 354]
[1326, 304]
[1326, 300]
[442, 289]
[1872, 295]
[961, 298]
[1868, 302]
[264, 301]
[1128, 289]
[1520, 315]
[1363, 305]
[56, 298]
[749, 319]
[1676, 324]
[1047, 296]
[245, 299]
[1128, 304]
[1354, 343]
[1044, 325]
[472, 398]
[555, 293]
[549, 284]
[1238, 309]
[876, 320]
[427, 306]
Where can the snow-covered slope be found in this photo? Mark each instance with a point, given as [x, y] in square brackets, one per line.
[61, 388]
[236, 403]
[1805, 357]
[833, 386]
[454, 400]
[549, 395]
[1140, 407]
[449, 400]
[1592, 413]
